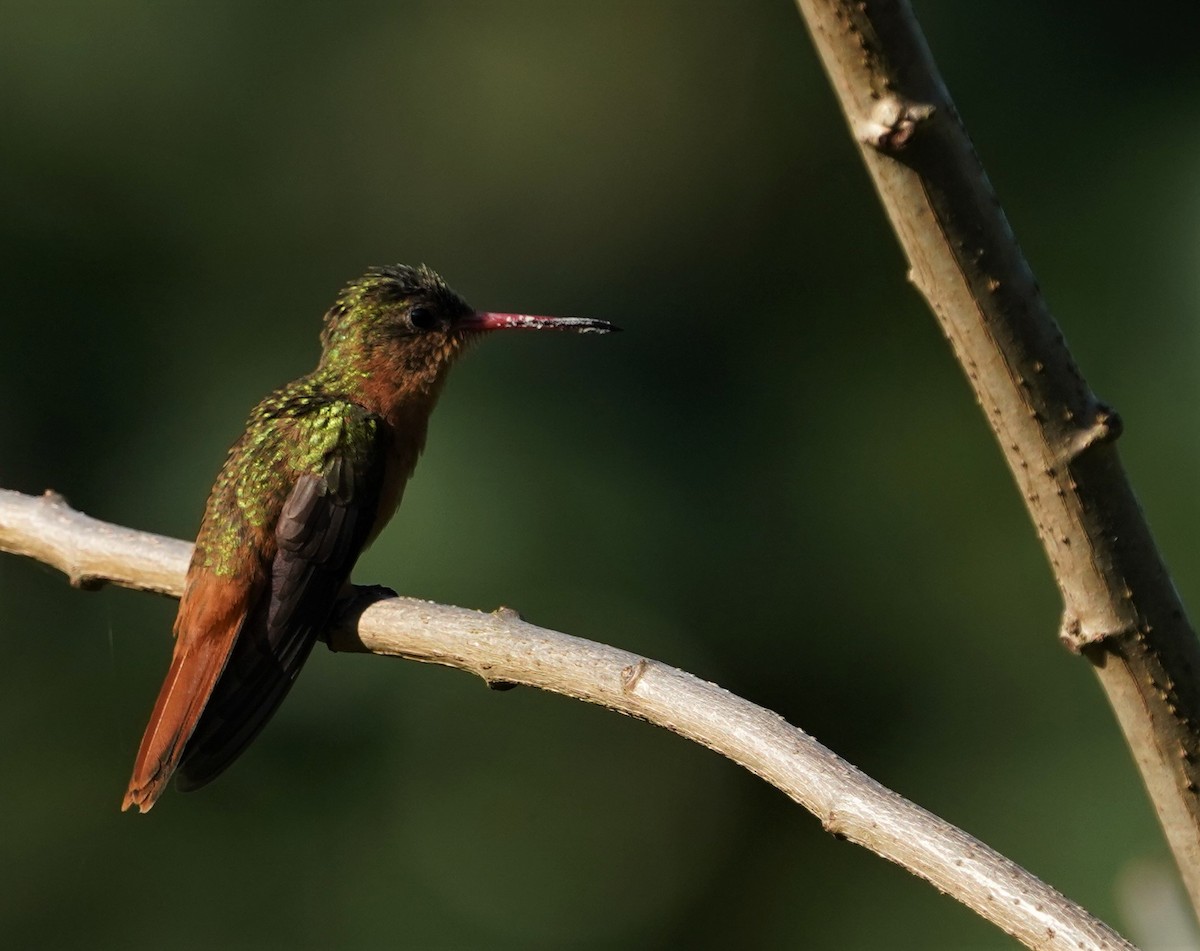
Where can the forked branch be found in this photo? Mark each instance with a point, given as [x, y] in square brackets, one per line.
[1120, 608]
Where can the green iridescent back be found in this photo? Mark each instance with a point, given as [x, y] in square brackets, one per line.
[294, 431]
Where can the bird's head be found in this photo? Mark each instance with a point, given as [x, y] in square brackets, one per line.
[409, 321]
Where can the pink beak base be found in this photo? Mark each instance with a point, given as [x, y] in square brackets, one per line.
[487, 320]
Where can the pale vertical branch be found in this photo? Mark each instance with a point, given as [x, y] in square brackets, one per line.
[502, 648]
[1121, 610]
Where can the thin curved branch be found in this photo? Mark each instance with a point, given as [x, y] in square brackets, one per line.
[502, 648]
[1121, 610]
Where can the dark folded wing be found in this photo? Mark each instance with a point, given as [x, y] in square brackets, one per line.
[322, 528]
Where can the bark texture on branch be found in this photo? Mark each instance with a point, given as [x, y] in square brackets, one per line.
[502, 648]
[1121, 610]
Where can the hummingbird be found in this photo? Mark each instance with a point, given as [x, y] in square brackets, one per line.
[319, 471]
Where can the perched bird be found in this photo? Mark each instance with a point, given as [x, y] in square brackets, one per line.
[318, 472]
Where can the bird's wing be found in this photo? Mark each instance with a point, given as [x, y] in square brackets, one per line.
[322, 528]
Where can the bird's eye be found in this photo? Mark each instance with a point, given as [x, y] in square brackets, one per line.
[422, 318]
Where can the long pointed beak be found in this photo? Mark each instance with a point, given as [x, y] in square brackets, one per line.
[487, 320]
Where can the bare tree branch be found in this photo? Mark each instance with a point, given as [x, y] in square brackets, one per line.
[502, 648]
[1121, 610]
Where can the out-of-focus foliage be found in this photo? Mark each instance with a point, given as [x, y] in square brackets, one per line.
[776, 478]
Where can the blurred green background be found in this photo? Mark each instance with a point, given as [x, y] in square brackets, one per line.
[776, 478]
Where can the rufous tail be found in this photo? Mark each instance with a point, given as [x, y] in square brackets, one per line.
[205, 640]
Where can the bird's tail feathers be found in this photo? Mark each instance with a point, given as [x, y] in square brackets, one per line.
[194, 672]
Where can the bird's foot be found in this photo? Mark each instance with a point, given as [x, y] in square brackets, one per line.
[352, 601]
